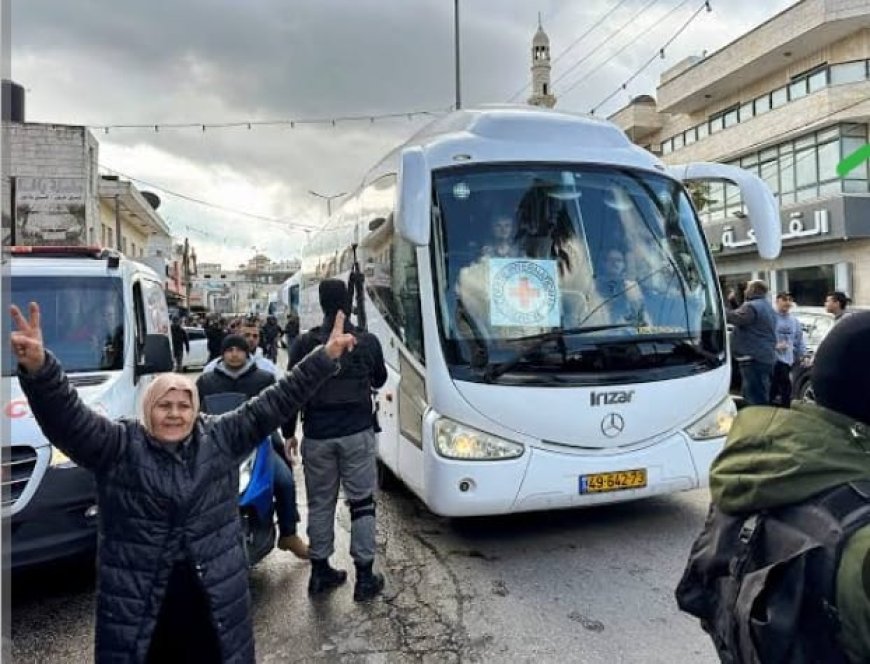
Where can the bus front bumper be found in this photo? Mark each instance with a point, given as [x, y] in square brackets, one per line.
[545, 479]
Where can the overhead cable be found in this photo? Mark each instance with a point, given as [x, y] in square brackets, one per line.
[290, 123]
[658, 54]
[599, 67]
[292, 224]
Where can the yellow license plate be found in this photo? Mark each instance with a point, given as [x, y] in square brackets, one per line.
[616, 481]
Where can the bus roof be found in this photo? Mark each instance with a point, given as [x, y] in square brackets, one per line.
[495, 134]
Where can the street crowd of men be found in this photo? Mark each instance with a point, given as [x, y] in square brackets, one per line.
[339, 447]
[768, 342]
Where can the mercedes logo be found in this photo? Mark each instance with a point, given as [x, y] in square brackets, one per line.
[612, 425]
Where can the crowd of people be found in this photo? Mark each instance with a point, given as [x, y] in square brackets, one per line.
[768, 342]
[172, 567]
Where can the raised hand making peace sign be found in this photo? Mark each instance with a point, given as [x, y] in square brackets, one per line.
[27, 339]
[339, 341]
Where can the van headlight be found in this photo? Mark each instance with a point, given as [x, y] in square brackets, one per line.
[246, 470]
[716, 423]
[60, 460]
[457, 441]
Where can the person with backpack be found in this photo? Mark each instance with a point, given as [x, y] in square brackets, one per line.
[781, 570]
[339, 447]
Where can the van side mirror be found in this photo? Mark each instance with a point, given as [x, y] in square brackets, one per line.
[157, 355]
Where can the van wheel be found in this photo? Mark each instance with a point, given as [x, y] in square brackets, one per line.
[387, 481]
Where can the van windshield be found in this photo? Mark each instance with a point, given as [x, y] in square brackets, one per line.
[82, 320]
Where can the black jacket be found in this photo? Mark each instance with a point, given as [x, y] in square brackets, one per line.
[343, 406]
[155, 508]
[215, 335]
[250, 383]
[179, 338]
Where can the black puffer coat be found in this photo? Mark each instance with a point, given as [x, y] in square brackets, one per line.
[155, 509]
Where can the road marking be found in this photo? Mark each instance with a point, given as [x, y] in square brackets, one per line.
[852, 161]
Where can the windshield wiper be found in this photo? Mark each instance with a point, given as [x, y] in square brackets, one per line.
[712, 360]
[493, 371]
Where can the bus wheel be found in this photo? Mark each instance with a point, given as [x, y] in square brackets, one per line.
[387, 481]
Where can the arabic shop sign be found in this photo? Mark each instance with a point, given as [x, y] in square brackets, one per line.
[50, 211]
[795, 229]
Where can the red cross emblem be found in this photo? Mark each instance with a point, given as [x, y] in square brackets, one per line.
[525, 293]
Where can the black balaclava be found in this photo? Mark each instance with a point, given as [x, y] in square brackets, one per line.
[333, 296]
[841, 368]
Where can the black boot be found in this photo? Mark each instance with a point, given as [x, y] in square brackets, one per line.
[369, 584]
[324, 577]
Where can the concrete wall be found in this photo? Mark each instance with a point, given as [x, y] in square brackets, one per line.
[56, 151]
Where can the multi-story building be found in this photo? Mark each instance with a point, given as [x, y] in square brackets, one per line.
[54, 195]
[246, 290]
[787, 101]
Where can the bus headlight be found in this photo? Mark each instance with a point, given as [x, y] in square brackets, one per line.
[246, 469]
[716, 423]
[60, 460]
[456, 441]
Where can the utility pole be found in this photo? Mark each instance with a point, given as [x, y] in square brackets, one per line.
[328, 199]
[456, 48]
[185, 271]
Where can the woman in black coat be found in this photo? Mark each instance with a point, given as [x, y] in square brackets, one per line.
[172, 574]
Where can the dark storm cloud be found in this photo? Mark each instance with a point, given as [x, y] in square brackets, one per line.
[114, 62]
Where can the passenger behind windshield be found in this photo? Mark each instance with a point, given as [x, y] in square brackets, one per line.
[82, 318]
[620, 298]
[503, 243]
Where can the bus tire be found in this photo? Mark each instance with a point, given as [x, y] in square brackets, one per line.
[387, 481]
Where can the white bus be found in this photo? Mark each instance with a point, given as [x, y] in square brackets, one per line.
[548, 308]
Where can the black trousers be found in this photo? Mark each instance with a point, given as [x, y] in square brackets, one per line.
[780, 385]
[184, 633]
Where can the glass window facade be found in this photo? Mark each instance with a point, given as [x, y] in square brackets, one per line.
[804, 84]
[796, 171]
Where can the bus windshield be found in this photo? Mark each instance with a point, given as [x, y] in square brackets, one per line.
[572, 274]
[82, 319]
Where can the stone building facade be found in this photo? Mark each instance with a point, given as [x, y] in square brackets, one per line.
[787, 101]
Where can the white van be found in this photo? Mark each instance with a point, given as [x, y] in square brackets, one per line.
[105, 318]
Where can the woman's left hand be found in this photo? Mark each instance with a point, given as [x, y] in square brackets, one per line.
[339, 341]
[27, 340]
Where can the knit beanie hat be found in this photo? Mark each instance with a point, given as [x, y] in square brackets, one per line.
[333, 296]
[235, 341]
[841, 368]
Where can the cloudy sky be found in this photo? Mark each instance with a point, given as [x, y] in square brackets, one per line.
[116, 62]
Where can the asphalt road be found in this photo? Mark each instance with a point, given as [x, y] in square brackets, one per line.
[591, 586]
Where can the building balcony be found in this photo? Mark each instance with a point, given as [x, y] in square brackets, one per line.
[828, 106]
[639, 119]
[795, 33]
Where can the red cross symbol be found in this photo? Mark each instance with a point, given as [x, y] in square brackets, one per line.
[525, 293]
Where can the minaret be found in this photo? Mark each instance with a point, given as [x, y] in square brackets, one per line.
[542, 94]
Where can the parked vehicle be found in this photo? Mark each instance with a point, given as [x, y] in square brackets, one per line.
[197, 357]
[105, 318]
[816, 323]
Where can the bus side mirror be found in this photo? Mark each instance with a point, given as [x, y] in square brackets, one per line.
[157, 355]
[762, 206]
[413, 217]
